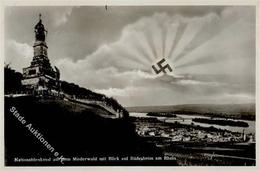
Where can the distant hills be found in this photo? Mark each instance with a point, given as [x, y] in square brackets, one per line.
[239, 111]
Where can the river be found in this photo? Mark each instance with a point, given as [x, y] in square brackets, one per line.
[187, 119]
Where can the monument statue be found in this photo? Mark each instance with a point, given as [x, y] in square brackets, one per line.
[40, 30]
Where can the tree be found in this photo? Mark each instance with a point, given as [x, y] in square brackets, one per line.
[12, 80]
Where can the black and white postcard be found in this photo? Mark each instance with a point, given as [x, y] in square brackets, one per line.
[130, 85]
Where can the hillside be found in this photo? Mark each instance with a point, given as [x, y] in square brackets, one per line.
[241, 111]
[13, 85]
[74, 130]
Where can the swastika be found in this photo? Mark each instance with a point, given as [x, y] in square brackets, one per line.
[162, 68]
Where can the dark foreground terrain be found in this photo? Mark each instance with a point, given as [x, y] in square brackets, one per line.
[74, 131]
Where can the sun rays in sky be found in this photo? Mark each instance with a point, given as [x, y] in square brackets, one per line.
[211, 51]
[174, 40]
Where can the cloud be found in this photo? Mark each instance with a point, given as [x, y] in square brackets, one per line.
[122, 69]
[117, 92]
[24, 49]
[196, 82]
[60, 16]
[214, 63]
[18, 54]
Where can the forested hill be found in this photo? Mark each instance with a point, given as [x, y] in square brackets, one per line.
[73, 129]
[13, 84]
[239, 111]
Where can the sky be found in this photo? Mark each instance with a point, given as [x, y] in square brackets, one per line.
[211, 50]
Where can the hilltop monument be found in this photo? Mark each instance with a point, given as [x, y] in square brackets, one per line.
[40, 75]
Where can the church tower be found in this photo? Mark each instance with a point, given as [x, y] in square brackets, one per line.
[40, 75]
